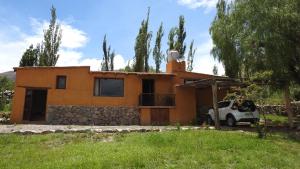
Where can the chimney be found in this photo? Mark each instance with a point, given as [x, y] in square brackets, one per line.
[173, 62]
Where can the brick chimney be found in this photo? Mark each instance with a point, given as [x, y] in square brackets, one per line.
[174, 65]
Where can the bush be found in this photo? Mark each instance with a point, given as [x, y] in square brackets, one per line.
[7, 107]
[296, 94]
[5, 115]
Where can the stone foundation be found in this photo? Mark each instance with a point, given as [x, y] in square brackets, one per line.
[92, 115]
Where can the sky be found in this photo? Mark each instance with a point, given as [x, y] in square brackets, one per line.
[84, 24]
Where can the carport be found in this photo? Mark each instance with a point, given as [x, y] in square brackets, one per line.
[216, 84]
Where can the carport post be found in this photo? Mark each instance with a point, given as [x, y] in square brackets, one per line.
[214, 87]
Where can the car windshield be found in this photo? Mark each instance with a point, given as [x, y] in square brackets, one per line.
[247, 106]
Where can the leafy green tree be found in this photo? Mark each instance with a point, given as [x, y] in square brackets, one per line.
[171, 39]
[108, 57]
[147, 68]
[142, 46]
[252, 36]
[30, 57]
[158, 55]
[224, 50]
[190, 58]
[52, 40]
[176, 38]
[181, 34]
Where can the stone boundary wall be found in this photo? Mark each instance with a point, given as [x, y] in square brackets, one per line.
[92, 115]
[278, 109]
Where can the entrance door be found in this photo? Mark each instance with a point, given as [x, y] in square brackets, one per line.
[159, 116]
[148, 97]
[35, 105]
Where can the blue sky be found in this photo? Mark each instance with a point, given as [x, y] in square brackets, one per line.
[84, 24]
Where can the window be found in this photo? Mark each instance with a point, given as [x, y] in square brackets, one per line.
[223, 104]
[61, 82]
[109, 87]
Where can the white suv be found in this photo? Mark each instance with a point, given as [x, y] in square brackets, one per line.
[232, 113]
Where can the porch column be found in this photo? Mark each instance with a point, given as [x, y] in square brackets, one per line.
[214, 87]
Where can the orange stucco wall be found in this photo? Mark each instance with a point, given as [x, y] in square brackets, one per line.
[80, 87]
[80, 90]
[185, 110]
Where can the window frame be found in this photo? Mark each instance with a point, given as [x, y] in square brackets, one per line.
[100, 94]
[57, 82]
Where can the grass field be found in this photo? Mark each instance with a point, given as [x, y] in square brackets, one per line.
[277, 118]
[175, 149]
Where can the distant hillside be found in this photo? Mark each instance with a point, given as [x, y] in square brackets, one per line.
[10, 75]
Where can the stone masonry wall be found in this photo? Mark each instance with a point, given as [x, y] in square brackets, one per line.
[92, 115]
[278, 109]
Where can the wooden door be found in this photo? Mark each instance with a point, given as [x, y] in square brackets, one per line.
[160, 116]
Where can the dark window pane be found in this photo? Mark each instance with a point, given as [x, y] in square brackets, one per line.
[223, 104]
[109, 87]
[61, 82]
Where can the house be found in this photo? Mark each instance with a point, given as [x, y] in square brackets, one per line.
[76, 95]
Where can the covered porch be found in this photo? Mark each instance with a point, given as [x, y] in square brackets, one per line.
[208, 93]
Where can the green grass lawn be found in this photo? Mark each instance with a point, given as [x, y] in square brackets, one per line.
[175, 149]
[277, 118]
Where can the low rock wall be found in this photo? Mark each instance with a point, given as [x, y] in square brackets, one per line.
[88, 115]
[278, 109]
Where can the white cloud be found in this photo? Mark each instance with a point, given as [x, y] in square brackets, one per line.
[119, 62]
[14, 42]
[73, 58]
[72, 38]
[193, 4]
[204, 62]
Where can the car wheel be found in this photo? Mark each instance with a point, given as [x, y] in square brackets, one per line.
[209, 120]
[230, 121]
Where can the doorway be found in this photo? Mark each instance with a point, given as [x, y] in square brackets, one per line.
[35, 105]
[159, 116]
[148, 97]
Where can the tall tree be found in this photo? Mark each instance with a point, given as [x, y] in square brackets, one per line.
[142, 46]
[224, 46]
[250, 37]
[147, 68]
[52, 40]
[112, 58]
[30, 57]
[176, 38]
[181, 34]
[158, 55]
[108, 57]
[171, 39]
[190, 58]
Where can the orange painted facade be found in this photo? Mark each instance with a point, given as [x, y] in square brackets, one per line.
[80, 90]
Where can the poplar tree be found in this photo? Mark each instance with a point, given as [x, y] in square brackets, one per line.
[52, 40]
[190, 58]
[181, 34]
[176, 38]
[171, 39]
[158, 56]
[142, 46]
[108, 57]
